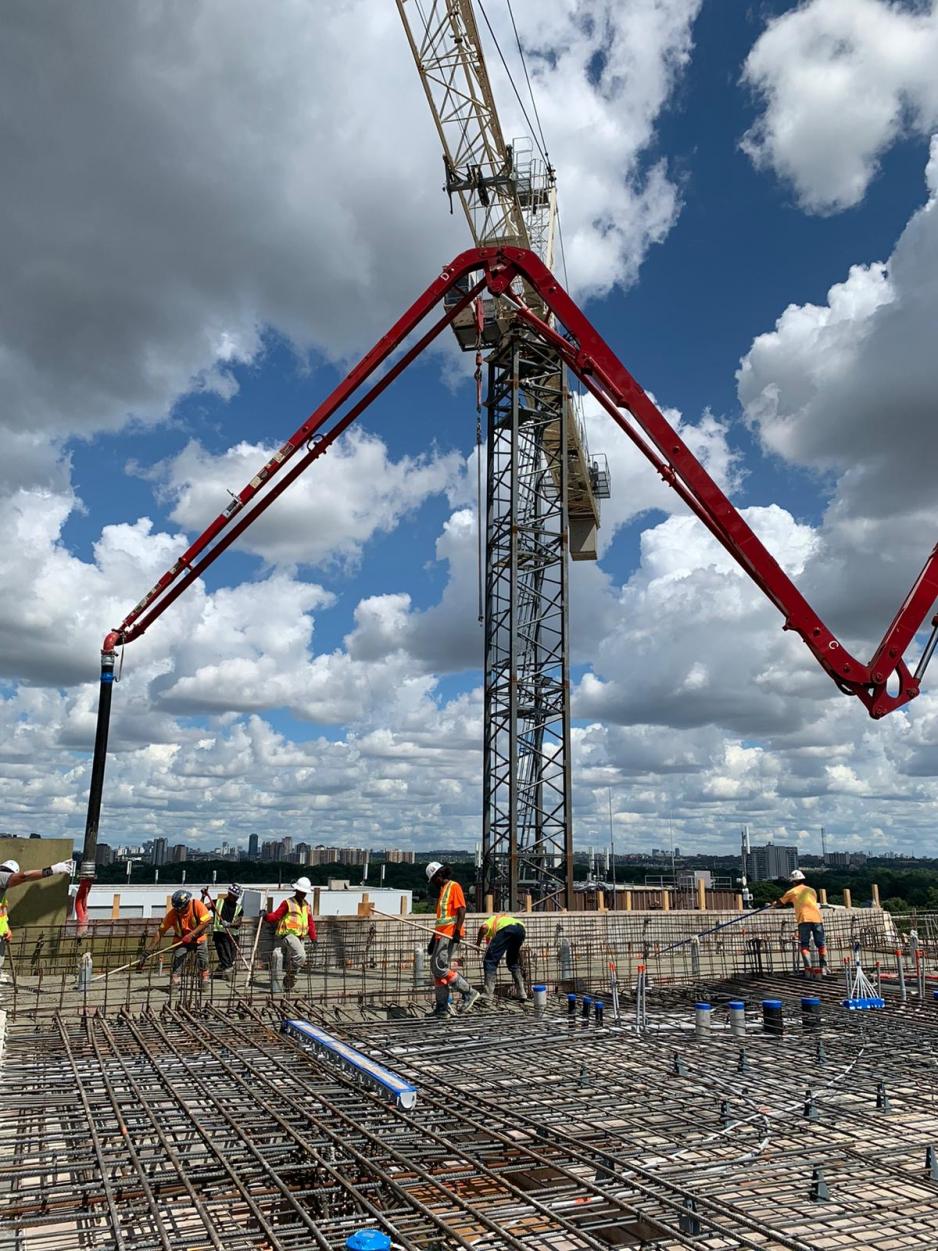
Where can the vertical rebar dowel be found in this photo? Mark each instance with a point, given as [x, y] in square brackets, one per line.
[920, 974]
[900, 969]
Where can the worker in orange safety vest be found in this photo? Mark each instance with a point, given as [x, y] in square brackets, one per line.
[188, 919]
[450, 921]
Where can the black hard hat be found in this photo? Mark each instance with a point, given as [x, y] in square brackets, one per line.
[181, 898]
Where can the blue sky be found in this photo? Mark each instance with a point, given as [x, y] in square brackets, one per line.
[219, 261]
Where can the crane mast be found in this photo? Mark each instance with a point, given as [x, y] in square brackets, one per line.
[542, 486]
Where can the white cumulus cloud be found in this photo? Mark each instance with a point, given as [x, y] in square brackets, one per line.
[839, 81]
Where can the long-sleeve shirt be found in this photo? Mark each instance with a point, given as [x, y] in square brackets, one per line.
[275, 917]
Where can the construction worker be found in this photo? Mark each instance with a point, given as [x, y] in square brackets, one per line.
[808, 916]
[293, 922]
[11, 875]
[503, 935]
[447, 934]
[226, 916]
[189, 920]
[6, 935]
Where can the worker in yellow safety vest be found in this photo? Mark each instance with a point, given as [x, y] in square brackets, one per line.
[447, 934]
[226, 920]
[504, 936]
[6, 935]
[808, 917]
[293, 923]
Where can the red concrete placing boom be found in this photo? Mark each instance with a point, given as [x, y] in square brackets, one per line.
[505, 273]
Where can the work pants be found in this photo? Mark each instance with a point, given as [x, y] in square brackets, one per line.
[806, 931]
[294, 953]
[445, 978]
[507, 942]
[226, 949]
[181, 954]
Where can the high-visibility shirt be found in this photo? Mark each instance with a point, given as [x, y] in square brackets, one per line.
[273, 918]
[295, 920]
[221, 921]
[805, 901]
[183, 923]
[4, 921]
[500, 921]
[450, 901]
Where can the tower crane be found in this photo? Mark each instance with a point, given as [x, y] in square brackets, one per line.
[542, 486]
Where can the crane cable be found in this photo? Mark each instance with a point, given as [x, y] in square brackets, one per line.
[537, 136]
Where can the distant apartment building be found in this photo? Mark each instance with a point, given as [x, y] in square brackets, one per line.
[179, 853]
[103, 855]
[772, 861]
[394, 855]
[158, 851]
[846, 859]
[253, 846]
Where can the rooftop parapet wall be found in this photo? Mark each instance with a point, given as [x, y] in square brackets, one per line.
[380, 961]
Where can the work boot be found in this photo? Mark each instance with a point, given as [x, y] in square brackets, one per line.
[520, 987]
[825, 971]
[175, 980]
[489, 991]
[441, 1011]
[289, 981]
[469, 1001]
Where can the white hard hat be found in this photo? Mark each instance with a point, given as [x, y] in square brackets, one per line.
[9, 866]
[796, 876]
[432, 868]
[303, 884]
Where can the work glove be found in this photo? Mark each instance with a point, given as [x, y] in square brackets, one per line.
[64, 866]
[430, 946]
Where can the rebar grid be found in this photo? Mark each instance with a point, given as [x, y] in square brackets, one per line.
[732, 1137]
[203, 1129]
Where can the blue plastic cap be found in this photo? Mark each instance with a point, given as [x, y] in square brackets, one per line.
[368, 1240]
[704, 1006]
[571, 998]
[544, 988]
[598, 1003]
[771, 1003]
[736, 1004]
[587, 999]
[934, 994]
[810, 1001]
